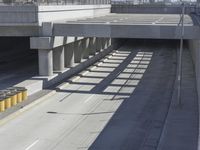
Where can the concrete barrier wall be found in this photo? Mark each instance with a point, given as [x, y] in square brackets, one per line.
[38, 14]
[149, 9]
[194, 46]
[71, 12]
[18, 14]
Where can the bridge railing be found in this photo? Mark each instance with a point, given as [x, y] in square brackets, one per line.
[54, 2]
[149, 2]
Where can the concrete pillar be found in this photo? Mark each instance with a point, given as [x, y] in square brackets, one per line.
[108, 42]
[104, 43]
[86, 48]
[77, 51]
[58, 59]
[92, 45]
[98, 44]
[45, 62]
[69, 55]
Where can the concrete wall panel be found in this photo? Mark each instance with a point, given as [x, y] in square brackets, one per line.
[71, 12]
[194, 46]
[150, 9]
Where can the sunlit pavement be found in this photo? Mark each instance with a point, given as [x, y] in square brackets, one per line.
[122, 104]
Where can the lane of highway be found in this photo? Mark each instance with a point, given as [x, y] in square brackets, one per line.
[120, 104]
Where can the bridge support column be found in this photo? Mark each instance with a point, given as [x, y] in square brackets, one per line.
[98, 44]
[104, 43]
[58, 59]
[45, 62]
[92, 45]
[86, 48]
[107, 42]
[77, 51]
[69, 55]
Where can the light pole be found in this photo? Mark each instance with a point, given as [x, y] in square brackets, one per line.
[180, 56]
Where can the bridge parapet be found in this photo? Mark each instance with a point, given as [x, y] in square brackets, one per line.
[54, 2]
[153, 9]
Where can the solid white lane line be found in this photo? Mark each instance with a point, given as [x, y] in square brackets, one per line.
[89, 98]
[30, 146]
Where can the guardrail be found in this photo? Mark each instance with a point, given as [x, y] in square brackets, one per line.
[54, 2]
[148, 2]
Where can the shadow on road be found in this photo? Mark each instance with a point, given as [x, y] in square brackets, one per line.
[142, 78]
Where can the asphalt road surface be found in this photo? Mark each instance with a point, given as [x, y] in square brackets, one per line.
[125, 103]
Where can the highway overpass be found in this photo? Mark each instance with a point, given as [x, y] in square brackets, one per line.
[99, 80]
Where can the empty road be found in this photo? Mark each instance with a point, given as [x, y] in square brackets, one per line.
[126, 102]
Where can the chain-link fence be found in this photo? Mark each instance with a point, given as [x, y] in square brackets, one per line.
[54, 2]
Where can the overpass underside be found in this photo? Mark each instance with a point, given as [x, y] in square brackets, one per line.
[152, 26]
[106, 27]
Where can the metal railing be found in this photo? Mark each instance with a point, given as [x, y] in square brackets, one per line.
[149, 2]
[54, 2]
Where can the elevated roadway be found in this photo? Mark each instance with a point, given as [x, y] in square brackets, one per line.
[124, 102]
[153, 26]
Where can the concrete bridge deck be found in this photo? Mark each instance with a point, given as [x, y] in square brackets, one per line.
[154, 26]
[158, 19]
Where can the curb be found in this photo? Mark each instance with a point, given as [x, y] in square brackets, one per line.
[26, 108]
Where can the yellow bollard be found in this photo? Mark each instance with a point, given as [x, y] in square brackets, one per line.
[2, 103]
[7, 102]
[19, 97]
[23, 92]
[13, 97]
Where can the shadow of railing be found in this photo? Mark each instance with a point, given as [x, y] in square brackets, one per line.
[125, 70]
[137, 85]
[117, 78]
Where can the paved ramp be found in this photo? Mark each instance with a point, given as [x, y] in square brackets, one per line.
[122, 103]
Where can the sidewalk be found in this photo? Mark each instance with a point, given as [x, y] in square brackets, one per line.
[181, 128]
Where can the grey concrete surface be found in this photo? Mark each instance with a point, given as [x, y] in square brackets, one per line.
[18, 14]
[153, 26]
[45, 61]
[78, 51]
[27, 20]
[92, 46]
[37, 83]
[86, 48]
[182, 123]
[58, 59]
[194, 46]
[151, 9]
[120, 104]
[38, 14]
[69, 55]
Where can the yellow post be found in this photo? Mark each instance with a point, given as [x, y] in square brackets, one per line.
[13, 95]
[19, 97]
[2, 103]
[24, 95]
[7, 102]
[23, 91]
[13, 99]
